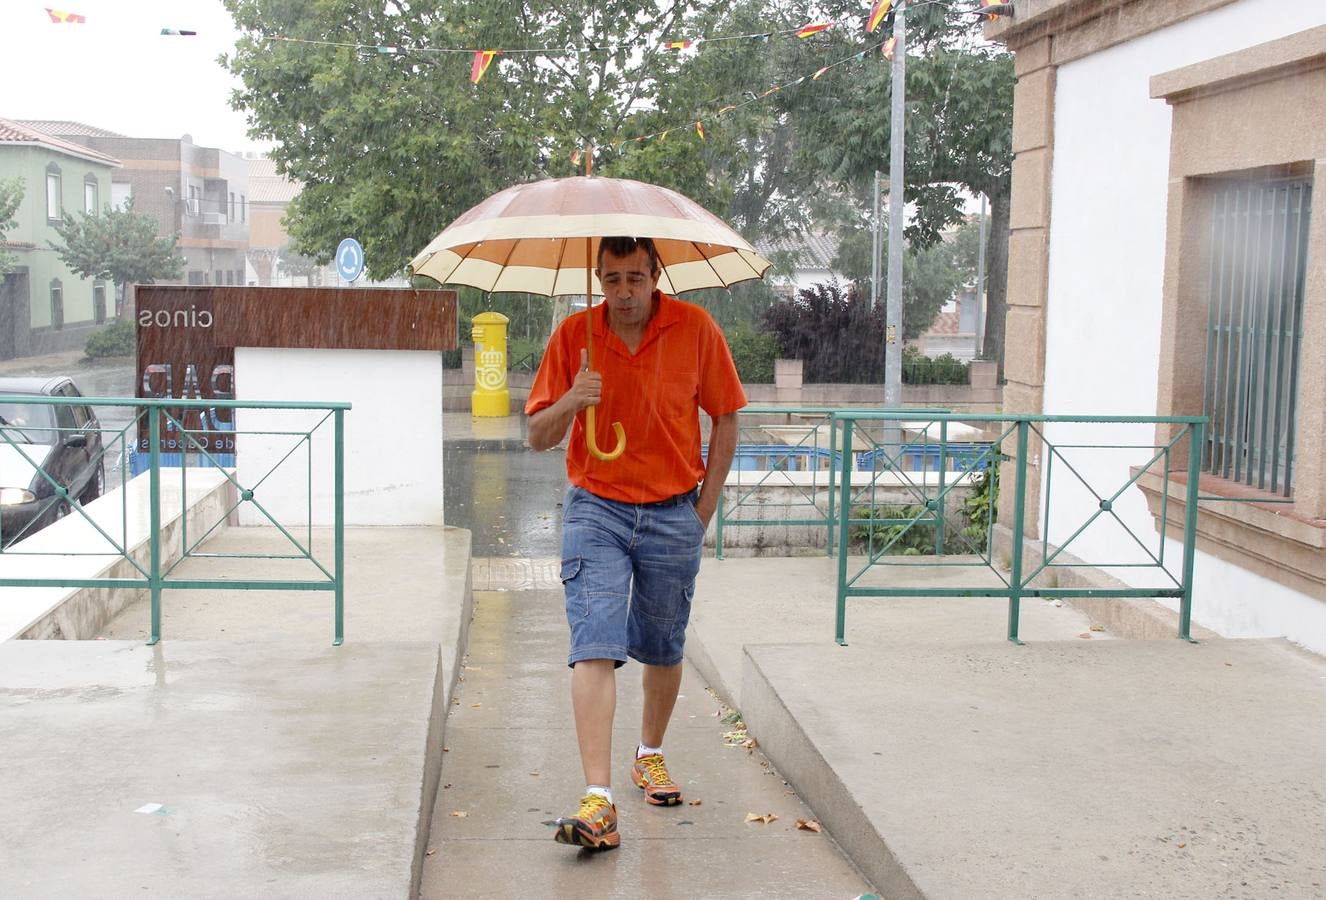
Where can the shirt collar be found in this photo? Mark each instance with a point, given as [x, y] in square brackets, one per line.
[667, 313]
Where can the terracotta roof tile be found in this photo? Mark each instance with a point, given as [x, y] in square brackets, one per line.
[12, 132]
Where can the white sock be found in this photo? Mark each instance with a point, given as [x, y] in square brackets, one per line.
[602, 790]
[642, 751]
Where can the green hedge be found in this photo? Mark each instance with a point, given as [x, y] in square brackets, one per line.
[116, 339]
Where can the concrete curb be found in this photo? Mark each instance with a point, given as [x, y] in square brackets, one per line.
[784, 741]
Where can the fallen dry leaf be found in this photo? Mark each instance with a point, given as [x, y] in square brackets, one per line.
[430, 853]
[1097, 627]
[476, 706]
[764, 819]
[696, 802]
[809, 825]
[1181, 846]
[750, 745]
[535, 774]
[1085, 634]
[460, 814]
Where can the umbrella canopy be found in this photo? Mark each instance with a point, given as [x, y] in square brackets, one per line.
[532, 238]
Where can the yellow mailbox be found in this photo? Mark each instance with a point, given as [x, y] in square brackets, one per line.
[491, 397]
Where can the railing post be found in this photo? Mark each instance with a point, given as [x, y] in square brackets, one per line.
[339, 418]
[844, 514]
[833, 474]
[1019, 513]
[154, 517]
[939, 497]
[1190, 528]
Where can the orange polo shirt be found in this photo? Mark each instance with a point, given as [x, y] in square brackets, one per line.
[682, 366]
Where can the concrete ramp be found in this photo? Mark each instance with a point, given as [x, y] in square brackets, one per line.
[1056, 769]
[281, 770]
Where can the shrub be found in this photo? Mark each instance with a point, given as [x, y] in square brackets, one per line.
[911, 540]
[116, 339]
[753, 352]
[918, 369]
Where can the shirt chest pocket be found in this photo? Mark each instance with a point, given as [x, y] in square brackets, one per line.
[678, 392]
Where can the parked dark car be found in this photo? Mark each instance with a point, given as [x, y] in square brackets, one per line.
[63, 441]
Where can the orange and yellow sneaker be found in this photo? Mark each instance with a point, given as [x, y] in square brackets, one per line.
[593, 826]
[650, 774]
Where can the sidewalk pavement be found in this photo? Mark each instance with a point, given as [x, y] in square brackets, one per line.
[948, 762]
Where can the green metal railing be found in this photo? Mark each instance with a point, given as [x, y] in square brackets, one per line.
[812, 449]
[1021, 579]
[196, 443]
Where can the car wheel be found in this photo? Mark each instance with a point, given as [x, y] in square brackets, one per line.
[96, 487]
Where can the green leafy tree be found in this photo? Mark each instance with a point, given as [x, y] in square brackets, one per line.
[835, 333]
[932, 276]
[11, 195]
[293, 264]
[392, 146]
[959, 132]
[117, 244]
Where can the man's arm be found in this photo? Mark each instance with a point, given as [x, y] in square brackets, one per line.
[548, 426]
[722, 447]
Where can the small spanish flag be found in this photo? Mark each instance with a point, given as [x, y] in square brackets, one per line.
[482, 60]
[816, 76]
[806, 31]
[878, 13]
[676, 45]
[726, 109]
[887, 49]
[773, 90]
[60, 17]
[575, 157]
[699, 129]
[989, 17]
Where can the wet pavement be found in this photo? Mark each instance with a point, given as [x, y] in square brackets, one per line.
[511, 768]
[509, 496]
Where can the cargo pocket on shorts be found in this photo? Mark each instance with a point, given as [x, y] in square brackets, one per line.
[573, 581]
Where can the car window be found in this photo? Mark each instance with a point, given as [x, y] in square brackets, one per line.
[64, 418]
[82, 414]
[28, 423]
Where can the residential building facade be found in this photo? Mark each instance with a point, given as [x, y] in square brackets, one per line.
[1167, 256]
[199, 193]
[44, 306]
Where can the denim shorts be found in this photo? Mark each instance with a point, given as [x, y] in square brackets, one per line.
[629, 572]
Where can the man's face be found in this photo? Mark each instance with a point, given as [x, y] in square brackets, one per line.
[628, 287]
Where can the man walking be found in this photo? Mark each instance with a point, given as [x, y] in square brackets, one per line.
[633, 527]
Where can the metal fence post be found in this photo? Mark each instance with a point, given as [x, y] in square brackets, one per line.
[1019, 512]
[339, 418]
[844, 514]
[1190, 528]
[154, 518]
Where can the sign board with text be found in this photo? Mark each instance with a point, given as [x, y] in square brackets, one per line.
[187, 337]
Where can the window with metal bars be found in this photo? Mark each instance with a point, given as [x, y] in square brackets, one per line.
[1259, 239]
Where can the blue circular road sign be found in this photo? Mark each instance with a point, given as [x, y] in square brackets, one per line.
[349, 259]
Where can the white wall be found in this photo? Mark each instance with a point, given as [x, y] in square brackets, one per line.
[1106, 269]
[393, 435]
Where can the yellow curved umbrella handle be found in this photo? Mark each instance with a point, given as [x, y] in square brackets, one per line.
[592, 442]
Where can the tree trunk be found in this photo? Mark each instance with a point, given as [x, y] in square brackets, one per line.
[996, 280]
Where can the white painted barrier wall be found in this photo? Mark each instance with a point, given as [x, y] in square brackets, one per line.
[393, 435]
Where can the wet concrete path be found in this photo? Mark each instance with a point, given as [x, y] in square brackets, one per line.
[511, 767]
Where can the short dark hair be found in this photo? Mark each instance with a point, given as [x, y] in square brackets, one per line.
[624, 246]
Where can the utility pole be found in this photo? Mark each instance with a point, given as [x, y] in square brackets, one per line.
[897, 206]
[876, 239]
[980, 281]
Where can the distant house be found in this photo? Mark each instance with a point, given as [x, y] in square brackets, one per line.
[200, 193]
[800, 261]
[45, 307]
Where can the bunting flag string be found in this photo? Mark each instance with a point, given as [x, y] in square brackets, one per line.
[877, 14]
[811, 28]
[886, 46]
[179, 32]
[60, 17]
[482, 60]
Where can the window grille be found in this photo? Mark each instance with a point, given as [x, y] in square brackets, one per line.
[1258, 263]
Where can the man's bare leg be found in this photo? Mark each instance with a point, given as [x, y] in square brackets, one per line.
[594, 697]
[661, 684]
